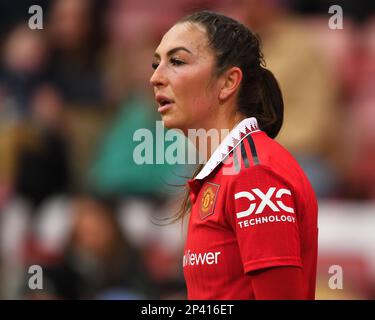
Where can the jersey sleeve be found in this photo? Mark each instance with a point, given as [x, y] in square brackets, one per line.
[262, 210]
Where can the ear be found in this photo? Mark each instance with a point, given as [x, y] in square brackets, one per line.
[230, 83]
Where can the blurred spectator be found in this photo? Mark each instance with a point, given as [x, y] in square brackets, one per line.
[34, 150]
[162, 245]
[359, 174]
[22, 69]
[74, 37]
[98, 261]
[44, 171]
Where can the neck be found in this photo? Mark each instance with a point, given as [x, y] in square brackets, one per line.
[215, 131]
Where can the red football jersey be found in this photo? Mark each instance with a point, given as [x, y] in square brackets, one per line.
[252, 208]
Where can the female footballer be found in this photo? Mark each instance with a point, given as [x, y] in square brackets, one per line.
[252, 231]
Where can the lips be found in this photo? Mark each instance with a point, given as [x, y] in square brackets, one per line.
[164, 102]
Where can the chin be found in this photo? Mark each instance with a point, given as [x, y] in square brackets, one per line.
[172, 123]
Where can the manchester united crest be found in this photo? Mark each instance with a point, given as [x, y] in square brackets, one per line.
[208, 199]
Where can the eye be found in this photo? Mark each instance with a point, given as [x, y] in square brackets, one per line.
[154, 65]
[176, 62]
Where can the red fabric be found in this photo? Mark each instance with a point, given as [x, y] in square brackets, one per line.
[264, 238]
[260, 217]
[280, 283]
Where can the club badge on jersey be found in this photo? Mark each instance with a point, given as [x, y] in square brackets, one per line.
[208, 199]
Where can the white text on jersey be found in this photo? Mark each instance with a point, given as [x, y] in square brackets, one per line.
[195, 259]
[266, 201]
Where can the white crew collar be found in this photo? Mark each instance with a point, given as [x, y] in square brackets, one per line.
[234, 137]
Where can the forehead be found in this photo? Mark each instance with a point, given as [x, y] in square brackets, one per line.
[191, 36]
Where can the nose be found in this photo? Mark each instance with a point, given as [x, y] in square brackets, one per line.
[158, 79]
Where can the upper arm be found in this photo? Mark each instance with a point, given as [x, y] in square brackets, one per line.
[262, 211]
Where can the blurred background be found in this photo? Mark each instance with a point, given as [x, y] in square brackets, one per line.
[73, 201]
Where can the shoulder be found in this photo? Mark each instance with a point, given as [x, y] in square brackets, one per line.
[257, 154]
[258, 176]
[260, 164]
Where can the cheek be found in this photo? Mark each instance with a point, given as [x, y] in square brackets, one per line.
[204, 99]
[195, 92]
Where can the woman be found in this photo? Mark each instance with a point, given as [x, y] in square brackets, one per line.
[252, 230]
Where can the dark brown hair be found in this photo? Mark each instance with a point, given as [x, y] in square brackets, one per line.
[259, 96]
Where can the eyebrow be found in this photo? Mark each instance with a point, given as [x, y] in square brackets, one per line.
[172, 51]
